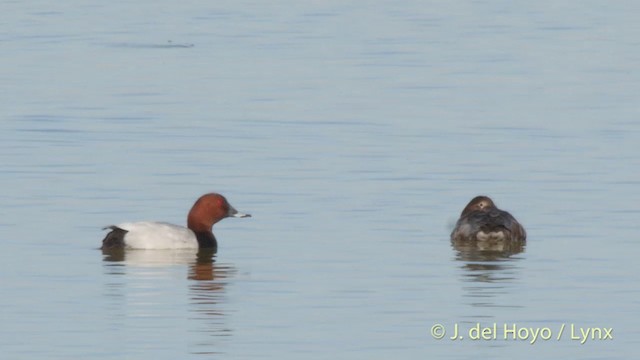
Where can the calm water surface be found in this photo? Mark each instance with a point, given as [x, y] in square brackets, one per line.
[355, 136]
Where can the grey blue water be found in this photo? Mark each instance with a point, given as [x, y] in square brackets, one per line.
[354, 134]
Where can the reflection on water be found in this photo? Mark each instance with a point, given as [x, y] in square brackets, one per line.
[488, 269]
[485, 251]
[138, 286]
[153, 258]
[206, 292]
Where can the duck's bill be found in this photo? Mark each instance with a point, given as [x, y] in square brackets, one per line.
[235, 213]
[241, 215]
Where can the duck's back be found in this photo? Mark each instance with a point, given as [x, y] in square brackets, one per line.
[491, 224]
[151, 235]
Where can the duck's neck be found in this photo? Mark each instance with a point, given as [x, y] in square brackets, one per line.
[206, 240]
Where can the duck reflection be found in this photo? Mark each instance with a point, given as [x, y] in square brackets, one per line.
[486, 252]
[206, 297]
[488, 271]
[206, 281]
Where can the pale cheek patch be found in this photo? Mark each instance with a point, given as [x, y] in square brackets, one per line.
[491, 236]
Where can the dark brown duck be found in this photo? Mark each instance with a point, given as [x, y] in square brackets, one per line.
[481, 220]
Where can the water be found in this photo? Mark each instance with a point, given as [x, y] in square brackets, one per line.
[354, 136]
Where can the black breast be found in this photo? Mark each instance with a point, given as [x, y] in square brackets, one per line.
[206, 240]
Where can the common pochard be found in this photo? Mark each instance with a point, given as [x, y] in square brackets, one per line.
[481, 220]
[207, 210]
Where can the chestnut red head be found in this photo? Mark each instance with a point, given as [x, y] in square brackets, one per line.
[208, 210]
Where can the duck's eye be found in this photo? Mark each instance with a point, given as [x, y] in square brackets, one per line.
[221, 204]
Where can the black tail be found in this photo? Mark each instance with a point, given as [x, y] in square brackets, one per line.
[114, 239]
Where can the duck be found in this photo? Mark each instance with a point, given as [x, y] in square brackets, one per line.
[482, 221]
[205, 212]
